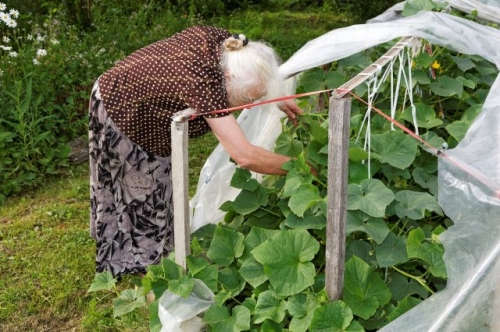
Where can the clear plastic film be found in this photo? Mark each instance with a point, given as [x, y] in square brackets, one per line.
[179, 314]
[469, 175]
[438, 28]
[486, 10]
[469, 193]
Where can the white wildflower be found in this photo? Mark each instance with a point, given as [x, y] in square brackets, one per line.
[54, 41]
[41, 52]
[40, 38]
[102, 50]
[11, 23]
[29, 37]
[14, 13]
[6, 48]
[13, 54]
[2, 6]
[6, 39]
[4, 16]
[36, 62]
[1, 72]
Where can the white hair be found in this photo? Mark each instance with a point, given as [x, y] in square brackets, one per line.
[251, 67]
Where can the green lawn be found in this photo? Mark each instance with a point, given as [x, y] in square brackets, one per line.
[47, 257]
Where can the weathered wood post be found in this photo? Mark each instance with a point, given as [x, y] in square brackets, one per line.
[338, 147]
[182, 229]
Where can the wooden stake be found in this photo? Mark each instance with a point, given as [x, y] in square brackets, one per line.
[180, 191]
[338, 147]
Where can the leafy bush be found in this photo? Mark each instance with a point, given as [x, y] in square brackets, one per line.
[44, 89]
[46, 72]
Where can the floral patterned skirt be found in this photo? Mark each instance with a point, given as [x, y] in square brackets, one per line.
[131, 215]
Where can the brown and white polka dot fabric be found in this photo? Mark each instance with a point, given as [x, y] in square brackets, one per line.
[144, 90]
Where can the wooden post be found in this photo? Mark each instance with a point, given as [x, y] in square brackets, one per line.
[338, 147]
[180, 191]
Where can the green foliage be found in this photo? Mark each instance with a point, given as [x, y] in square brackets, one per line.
[29, 147]
[103, 281]
[363, 10]
[414, 6]
[36, 127]
[265, 261]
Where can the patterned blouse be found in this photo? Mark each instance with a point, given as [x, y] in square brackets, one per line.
[144, 90]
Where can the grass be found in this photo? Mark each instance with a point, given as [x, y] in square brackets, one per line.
[46, 253]
[47, 257]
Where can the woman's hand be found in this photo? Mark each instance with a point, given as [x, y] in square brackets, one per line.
[291, 110]
[246, 155]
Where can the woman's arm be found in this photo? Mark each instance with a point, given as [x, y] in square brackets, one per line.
[251, 157]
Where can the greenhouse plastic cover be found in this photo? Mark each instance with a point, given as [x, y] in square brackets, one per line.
[468, 175]
[488, 10]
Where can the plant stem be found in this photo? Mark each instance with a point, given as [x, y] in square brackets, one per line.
[270, 212]
[417, 279]
[317, 114]
[320, 182]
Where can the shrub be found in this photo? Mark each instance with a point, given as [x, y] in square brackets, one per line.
[44, 81]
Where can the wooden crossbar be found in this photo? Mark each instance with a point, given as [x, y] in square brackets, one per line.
[375, 67]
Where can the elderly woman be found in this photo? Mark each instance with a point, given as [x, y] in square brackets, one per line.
[202, 68]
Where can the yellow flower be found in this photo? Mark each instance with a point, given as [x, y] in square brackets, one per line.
[436, 65]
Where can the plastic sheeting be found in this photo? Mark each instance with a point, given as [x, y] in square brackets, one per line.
[441, 29]
[470, 301]
[486, 9]
[179, 314]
